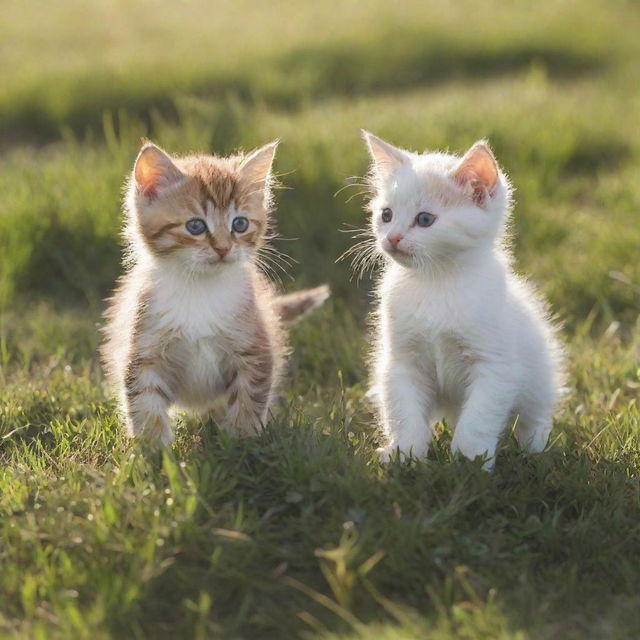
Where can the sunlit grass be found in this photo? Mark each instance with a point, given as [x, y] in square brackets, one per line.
[301, 532]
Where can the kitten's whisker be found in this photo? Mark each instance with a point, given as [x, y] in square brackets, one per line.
[357, 231]
[269, 259]
[276, 254]
[274, 267]
[285, 264]
[355, 195]
[353, 249]
[349, 228]
[363, 233]
[270, 246]
[279, 238]
[364, 257]
[271, 273]
[348, 186]
[282, 174]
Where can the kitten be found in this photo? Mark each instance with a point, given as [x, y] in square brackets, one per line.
[458, 334]
[194, 318]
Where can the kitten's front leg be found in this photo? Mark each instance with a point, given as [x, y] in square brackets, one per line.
[484, 415]
[146, 400]
[249, 389]
[405, 396]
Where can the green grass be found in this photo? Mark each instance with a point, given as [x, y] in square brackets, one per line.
[301, 532]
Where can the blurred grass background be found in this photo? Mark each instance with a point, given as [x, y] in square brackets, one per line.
[553, 85]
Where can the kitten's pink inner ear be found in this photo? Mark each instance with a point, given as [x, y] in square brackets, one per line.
[256, 168]
[154, 171]
[477, 173]
[386, 158]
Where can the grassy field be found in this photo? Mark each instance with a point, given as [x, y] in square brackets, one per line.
[301, 533]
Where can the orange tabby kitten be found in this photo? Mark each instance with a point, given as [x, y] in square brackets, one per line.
[194, 318]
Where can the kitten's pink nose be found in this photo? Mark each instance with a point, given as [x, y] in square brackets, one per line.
[222, 251]
[393, 240]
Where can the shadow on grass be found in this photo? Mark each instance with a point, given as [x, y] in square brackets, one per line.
[594, 154]
[297, 527]
[386, 63]
[302, 526]
[69, 266]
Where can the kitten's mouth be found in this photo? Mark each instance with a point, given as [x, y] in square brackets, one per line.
[404, 258]
[398, 253]
[220, 260]
[212, 260]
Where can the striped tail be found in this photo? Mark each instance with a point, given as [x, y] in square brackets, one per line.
[294, 306]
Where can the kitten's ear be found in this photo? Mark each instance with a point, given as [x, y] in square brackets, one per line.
[154, 170]
[386, 158]
[256, 167]
[477, 173]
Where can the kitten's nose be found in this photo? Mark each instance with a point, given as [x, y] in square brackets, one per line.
[222, 251]
[393, 240]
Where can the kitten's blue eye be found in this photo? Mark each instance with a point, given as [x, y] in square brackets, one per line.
[424, 219]
[240, 224]
[196, 226]
[387, 214]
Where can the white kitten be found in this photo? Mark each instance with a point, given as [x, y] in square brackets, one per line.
[458, 334]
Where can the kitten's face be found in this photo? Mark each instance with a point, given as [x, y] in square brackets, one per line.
[432, 208]
[202, 211]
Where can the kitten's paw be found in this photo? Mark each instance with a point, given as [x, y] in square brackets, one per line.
[167, 437]
[153, 430]
[386, 454]
[243, 427]
[371, 397]
[533, 438]
[473, 447]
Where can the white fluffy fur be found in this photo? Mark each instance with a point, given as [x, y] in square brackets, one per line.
[458, 334]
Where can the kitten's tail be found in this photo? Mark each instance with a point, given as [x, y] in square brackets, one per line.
[294, 306]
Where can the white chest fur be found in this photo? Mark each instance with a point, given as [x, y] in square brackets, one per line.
[197, 318]
[443, 325]
[201, 306]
